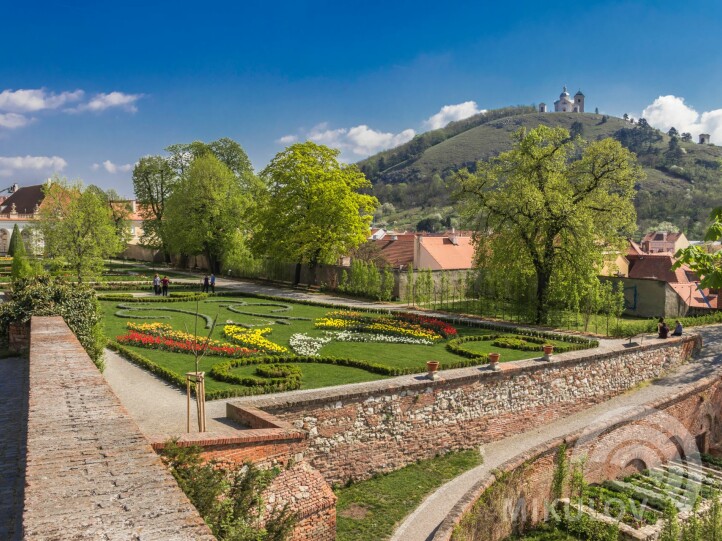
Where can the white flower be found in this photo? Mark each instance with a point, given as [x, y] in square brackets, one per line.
[353, 336]
[303, 344]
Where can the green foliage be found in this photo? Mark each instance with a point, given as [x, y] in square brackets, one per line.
[313, 211]
[229, 498]
[46, 296]
[77, 228]
[364, 279]
[21, 267]
[704, 264]
[386, 499]
[205, 210]
[14, 240]
[561, 470]
[671, 530]
[153, 181]
[556, 205]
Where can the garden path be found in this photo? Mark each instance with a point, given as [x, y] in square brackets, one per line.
[423, 522]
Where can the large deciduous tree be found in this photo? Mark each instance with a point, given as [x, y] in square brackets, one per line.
[551, 208]
[207, 209]
[314, 210]
[77, 228]
[153, 181]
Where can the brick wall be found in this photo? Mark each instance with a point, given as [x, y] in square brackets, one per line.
[356, 431]
[644, 437]
[269, 442]
[90, 473]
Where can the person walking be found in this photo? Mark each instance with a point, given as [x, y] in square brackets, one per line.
[165, 283]
[213, 283]
[205, 284]
[156, 285]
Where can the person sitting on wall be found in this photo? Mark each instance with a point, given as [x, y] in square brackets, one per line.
[662, 328]
[677, 328]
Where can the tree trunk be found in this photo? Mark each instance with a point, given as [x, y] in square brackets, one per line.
[542, 284]
[297, 276]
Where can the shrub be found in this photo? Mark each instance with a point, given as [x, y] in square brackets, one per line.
[46, 296]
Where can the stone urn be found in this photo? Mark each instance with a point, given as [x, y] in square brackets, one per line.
[494, 360]
[548, 350]
[432, 368]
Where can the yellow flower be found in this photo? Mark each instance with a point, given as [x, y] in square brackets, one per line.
[253, 338]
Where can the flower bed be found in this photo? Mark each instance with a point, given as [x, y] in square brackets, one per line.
[302, 344]
[386, 325]
[150, 341]
[253, 338]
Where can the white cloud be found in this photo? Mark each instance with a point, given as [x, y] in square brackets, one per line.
[668, 111]
[287, 139]
[36, 99]
[11, 166]
[13, 120]
[360, 140]
[112, 168]
[101, 102]
[449, 113]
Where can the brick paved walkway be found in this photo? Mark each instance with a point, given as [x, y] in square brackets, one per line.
[13, 424]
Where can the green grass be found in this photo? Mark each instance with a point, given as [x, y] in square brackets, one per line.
[371, 509]
[313, 375]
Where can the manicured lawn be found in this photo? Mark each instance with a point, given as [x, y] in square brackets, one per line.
[284, 319]
[371, 509]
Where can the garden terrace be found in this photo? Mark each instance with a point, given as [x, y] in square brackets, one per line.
[318, 347]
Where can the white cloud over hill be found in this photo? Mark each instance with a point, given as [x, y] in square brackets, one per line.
[671, 111]
[450, 113]
[30, 167]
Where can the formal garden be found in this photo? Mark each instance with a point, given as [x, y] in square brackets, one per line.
[254, 345]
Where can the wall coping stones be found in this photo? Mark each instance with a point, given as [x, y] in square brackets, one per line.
[90, 473]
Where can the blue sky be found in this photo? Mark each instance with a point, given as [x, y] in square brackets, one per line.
[107, 84]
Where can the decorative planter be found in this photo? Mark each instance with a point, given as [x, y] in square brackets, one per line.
[432, 367]
[548, 350]
[494, 360]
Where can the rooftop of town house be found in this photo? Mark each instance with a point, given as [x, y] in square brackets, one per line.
[450, 252]
[25, 199]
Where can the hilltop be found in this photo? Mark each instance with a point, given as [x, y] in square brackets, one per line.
[415, 180]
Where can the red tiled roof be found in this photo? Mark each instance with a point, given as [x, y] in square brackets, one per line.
[666, 236]
[450, 255]
[658, 267]
[633, 249]
[397, 250]
[694, 298]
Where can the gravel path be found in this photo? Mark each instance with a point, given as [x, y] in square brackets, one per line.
[425, 519]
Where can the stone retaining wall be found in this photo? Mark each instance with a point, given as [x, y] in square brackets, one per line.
[519, 490]
[355, 431]
[90, 473]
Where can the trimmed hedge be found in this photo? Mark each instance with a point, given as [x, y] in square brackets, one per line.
[174, 297]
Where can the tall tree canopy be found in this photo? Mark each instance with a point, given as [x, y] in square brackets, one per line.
[314, 210]
[550, 208]
[207, 209]
[153, 181]
[77, 228]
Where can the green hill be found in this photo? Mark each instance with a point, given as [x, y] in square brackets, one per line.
[415, 180]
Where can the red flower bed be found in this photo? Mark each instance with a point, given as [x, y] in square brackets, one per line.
[437, 325]
[134, 338]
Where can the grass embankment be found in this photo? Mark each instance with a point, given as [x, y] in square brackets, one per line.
[371, 509]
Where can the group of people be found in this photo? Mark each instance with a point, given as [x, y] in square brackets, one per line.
[209, 282]
[160, 285]
[663, 328]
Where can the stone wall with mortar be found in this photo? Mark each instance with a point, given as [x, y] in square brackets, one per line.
[358, 430]
[90, 473]
[519, 491]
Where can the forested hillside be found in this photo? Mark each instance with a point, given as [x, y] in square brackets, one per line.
[415, 181]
